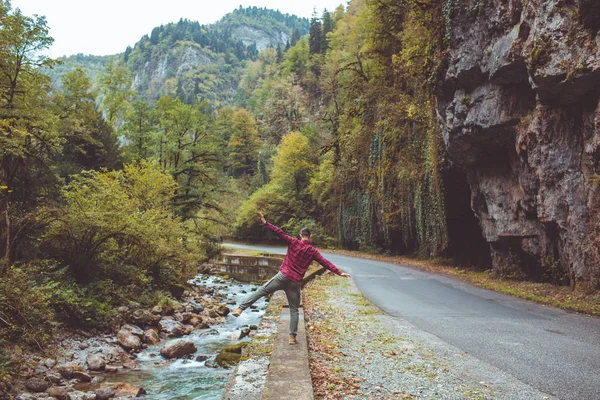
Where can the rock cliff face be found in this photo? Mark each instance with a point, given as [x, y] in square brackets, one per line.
[262, 39]
[175, 63]
[519, 105]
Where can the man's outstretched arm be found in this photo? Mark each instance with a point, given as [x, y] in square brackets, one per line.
[279, 232]
[329, 265]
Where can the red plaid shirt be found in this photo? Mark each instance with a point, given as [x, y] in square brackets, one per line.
[299, 256]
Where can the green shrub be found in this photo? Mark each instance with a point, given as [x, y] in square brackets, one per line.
[26, 314]
[119, 226]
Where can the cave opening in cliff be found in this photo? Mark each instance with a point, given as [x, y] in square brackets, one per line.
[466, 244]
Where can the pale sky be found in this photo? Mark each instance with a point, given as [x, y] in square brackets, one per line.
[107, 27]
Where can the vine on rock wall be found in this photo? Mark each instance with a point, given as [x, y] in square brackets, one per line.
[390, 196]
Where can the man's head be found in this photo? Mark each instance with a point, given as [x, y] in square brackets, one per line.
[305, 233]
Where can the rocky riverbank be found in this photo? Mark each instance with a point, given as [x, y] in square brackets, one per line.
[82, 366]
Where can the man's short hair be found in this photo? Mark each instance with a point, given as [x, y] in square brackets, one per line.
[305, 232]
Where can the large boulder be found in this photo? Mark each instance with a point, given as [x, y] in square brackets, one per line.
[133, 329]
[95, 362]
[37, 385]
[171, 327]
[150, 337]
[144, 318]
[82, 376]
[59, 392]
[230, 355]
[128, 340]
[105, 393]
[178, 348]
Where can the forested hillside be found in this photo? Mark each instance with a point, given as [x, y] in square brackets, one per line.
[193, 61]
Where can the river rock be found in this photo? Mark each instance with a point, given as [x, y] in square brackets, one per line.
[203, 325]
[25, 396]
[150, 337]
[37, 385]
[186, 317]
[82, 376]
[125, 389]
[178, 307]
[65, 370]
[111, 368]
[77, 395]
[171, 327]
[196, 307]
[230, 355]
[105, 393]
[128, 340]
[54, 377]
[95, 362]
[223, 310]
[59, 392]
[195, 321]
[144, 318]
[244, 332]
[178, 348]
[156, 310]
[133, 329]
[202, 358]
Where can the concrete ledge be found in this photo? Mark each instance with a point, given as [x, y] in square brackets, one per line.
[289, 375]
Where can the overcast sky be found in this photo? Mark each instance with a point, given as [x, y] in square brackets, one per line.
[109, 26]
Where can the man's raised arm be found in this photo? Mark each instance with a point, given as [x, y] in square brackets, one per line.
[279, 232]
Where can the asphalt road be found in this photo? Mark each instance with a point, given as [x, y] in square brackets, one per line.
[553, 351]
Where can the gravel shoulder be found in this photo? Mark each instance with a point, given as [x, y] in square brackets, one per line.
[358, 352]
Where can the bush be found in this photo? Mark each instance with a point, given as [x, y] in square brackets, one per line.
[119, 226]
[26, 314]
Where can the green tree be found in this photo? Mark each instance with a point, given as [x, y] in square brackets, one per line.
[243, 144]
[28, 135]
[139, 128]
[115, 84]
[89, 143]
[328, 25]
[189, 151]
[316, 34]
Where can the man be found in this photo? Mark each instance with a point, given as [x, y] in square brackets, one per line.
[300, 254]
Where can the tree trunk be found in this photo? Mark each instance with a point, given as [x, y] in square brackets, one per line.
[5, 260]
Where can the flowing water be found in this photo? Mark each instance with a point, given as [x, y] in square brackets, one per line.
[189, 379]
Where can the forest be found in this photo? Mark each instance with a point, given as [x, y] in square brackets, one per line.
[112, 194]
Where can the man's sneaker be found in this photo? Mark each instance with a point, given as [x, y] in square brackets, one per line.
[293, 340]
[236, 313]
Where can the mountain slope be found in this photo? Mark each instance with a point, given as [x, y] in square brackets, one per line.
[193, 61]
